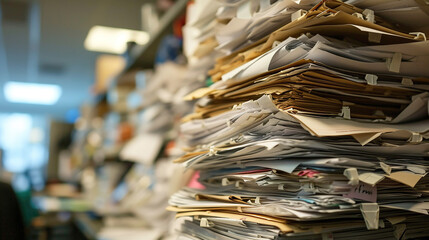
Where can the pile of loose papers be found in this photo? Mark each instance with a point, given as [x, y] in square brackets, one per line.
[316, 126]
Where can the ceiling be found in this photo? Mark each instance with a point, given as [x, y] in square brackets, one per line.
[62, 58]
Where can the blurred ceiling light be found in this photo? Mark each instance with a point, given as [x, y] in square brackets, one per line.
[33, 93]
[113, 40]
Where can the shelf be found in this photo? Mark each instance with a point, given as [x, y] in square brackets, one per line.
[145, 56]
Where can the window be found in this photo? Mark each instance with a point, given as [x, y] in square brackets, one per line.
[22, 139]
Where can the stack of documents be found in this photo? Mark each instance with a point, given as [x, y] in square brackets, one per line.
[408, 13]
[147, 186]
[317, 130]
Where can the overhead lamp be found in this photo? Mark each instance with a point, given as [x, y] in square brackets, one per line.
[32, 93]
[113, 40]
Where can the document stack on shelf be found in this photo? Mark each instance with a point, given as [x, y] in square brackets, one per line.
[317, 130]
[146, 188]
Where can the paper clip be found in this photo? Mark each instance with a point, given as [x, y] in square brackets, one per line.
[418, 35]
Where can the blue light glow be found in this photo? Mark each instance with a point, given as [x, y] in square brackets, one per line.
[32, 93]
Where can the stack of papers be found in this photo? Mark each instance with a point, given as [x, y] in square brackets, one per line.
[318, 130]
[253, 21]
[147, 186]
[409, 13]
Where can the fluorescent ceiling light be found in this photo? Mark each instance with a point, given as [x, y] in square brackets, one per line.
[113, 40]
[33, 93]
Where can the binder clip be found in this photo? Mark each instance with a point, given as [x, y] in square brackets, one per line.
[370, 213]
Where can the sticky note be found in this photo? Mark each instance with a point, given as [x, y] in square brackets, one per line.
[363, 191]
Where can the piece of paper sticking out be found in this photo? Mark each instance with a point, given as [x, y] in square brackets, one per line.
[363, 191]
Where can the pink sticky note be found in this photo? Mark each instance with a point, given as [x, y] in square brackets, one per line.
[308, 172]
[193, 183]
[363, 191]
